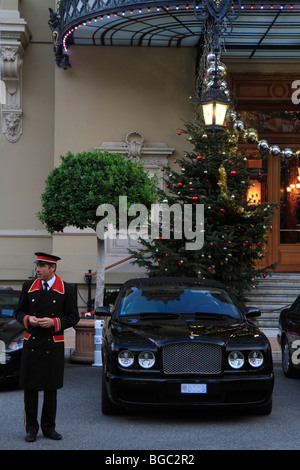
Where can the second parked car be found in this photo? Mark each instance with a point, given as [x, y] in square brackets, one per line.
[289, 339]
[11, 336]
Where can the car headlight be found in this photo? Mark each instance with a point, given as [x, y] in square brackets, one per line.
[236, 359]
[255, 358]
[146, 359]
[126, 358]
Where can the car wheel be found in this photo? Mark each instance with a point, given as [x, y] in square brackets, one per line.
[107, 406]
[287, 365]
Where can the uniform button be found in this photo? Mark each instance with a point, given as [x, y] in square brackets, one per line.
[33, 337]
[52, 314]
[32, 350]
[47, 352]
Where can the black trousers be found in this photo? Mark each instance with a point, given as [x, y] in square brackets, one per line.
[31, 398]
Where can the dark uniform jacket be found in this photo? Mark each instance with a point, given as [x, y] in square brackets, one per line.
[42, 364]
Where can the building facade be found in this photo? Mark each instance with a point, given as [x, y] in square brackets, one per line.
[131, 98]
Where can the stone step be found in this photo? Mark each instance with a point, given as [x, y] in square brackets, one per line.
[272, 294]
[275, 290]
[272, 303]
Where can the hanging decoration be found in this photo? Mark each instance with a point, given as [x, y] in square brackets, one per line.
[250, 136]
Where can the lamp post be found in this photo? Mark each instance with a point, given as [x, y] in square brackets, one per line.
[214, 102]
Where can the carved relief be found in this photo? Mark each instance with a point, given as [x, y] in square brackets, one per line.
[11, 61]
[13, 126]
[280, 90]
[266, 86]
[153, 155]
[134, 141]
[13, 41]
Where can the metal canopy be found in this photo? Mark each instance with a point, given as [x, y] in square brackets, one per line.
[264, 29]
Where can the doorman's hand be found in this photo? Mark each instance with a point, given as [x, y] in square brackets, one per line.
[45, 322]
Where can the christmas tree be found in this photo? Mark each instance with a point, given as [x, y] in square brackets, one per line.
[213, 174]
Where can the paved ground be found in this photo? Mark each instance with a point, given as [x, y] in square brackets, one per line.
[84, 427]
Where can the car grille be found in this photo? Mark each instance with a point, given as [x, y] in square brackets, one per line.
[192, 358]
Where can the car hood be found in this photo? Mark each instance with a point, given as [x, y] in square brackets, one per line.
[160, 332]
[9, 329]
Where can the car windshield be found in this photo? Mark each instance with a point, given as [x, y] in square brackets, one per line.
[8, 301]
[153, 301]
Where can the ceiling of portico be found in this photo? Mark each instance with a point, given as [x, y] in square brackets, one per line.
[264, 29]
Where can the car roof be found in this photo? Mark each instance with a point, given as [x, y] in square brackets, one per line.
[173, 280]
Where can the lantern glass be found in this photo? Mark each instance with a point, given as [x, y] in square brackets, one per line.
[208, 111]
[220, 113]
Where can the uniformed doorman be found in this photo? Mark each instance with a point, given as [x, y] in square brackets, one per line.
[46, 307]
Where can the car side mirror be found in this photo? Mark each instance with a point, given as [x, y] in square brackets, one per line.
[285, 311]
[103, 311]
[253, 312]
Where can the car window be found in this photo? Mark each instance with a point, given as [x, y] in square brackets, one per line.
[8, 301]
[170, 299]
[296, 307]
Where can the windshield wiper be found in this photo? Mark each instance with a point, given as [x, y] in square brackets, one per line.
[214, 315]
[158, 315]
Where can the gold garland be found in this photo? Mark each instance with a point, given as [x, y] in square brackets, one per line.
[223, 187]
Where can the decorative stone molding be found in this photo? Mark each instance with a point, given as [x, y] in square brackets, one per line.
[153, 155]
[14, 36]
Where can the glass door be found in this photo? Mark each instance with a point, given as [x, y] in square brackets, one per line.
[280, 183]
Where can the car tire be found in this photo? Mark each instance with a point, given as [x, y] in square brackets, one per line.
[287, 365]
[107, 406]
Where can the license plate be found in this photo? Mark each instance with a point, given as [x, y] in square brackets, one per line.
[193, 388]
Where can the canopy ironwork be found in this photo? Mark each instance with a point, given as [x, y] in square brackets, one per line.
[260, 29]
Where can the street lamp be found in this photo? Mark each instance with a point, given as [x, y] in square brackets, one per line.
[214, 104]
[214, 107]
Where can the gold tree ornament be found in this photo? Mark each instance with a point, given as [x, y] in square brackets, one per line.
[251, 136]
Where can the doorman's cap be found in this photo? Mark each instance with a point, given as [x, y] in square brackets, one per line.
[46, 258]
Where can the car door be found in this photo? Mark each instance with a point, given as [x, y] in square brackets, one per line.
[292, 323]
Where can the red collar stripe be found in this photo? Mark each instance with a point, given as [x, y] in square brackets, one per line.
[37, 285]
[58, 285]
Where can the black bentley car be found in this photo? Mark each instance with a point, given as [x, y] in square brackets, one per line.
[178, 341]
[11, 336]
[289, 339]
